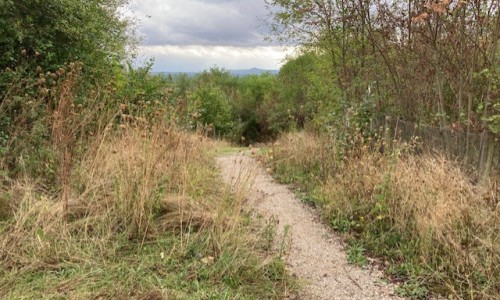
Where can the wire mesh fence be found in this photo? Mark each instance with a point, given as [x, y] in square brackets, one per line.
[456, 143]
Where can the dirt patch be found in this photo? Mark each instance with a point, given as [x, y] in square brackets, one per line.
[314, 253]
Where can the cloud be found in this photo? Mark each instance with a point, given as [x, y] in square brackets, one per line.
[194, 35]
[201, 22]
[196, 58]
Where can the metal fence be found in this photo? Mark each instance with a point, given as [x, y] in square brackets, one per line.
[456, 144]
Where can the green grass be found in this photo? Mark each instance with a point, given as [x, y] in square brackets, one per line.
[356, 254]
[223, 149]
[175, 266]
[139, 271]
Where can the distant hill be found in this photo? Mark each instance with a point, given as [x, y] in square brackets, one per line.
[239, 73]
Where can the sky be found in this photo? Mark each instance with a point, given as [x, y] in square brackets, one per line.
[194, 35]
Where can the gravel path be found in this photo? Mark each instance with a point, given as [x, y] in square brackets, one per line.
[314, 253]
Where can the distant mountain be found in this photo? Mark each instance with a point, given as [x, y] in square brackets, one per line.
[239, 73]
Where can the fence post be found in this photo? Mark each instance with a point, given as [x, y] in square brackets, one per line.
[486, 155]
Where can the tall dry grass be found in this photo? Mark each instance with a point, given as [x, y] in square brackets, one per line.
[436, 229]
[138, 187]
[135, 183]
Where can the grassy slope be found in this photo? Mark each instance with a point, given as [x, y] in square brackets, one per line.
[149, 218]
[435, 231]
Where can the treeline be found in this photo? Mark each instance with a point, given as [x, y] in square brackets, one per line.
[248, 109]
[432, 63]
[256, 108]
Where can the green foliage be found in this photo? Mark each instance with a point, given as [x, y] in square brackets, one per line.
[239, 108]
[50, 33]
[210, 107]
[494, 119]
[40, 43]
[293, 83]
[26, 119]
[141, 93]
[249, 108]
[413, 289]
[356, 254]
[182, 85]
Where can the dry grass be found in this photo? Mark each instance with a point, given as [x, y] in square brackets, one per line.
[147, 215]
[438, 230]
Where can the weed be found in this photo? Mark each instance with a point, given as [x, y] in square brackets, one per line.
[342, 224]
[412, 288]
[356, 254]
[269, 234]
[276, 270]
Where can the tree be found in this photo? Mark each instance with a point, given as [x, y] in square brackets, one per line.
[210, 107]
[43, 45]
[50, 33]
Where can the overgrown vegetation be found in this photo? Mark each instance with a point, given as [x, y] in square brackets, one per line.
[431, 62]
[420, 214]
[147, 217]
[432, 217]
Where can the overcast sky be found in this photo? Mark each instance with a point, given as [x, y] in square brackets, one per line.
[193, 35]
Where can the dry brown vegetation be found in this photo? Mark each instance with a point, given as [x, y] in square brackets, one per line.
[147, 213]
[435, 229]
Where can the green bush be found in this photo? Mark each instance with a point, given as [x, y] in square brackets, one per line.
[210, 107]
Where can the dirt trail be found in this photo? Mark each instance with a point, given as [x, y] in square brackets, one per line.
[314, 253]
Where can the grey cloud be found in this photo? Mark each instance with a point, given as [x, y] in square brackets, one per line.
[201, 22]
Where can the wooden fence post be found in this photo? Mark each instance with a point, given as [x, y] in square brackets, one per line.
[486, 155]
